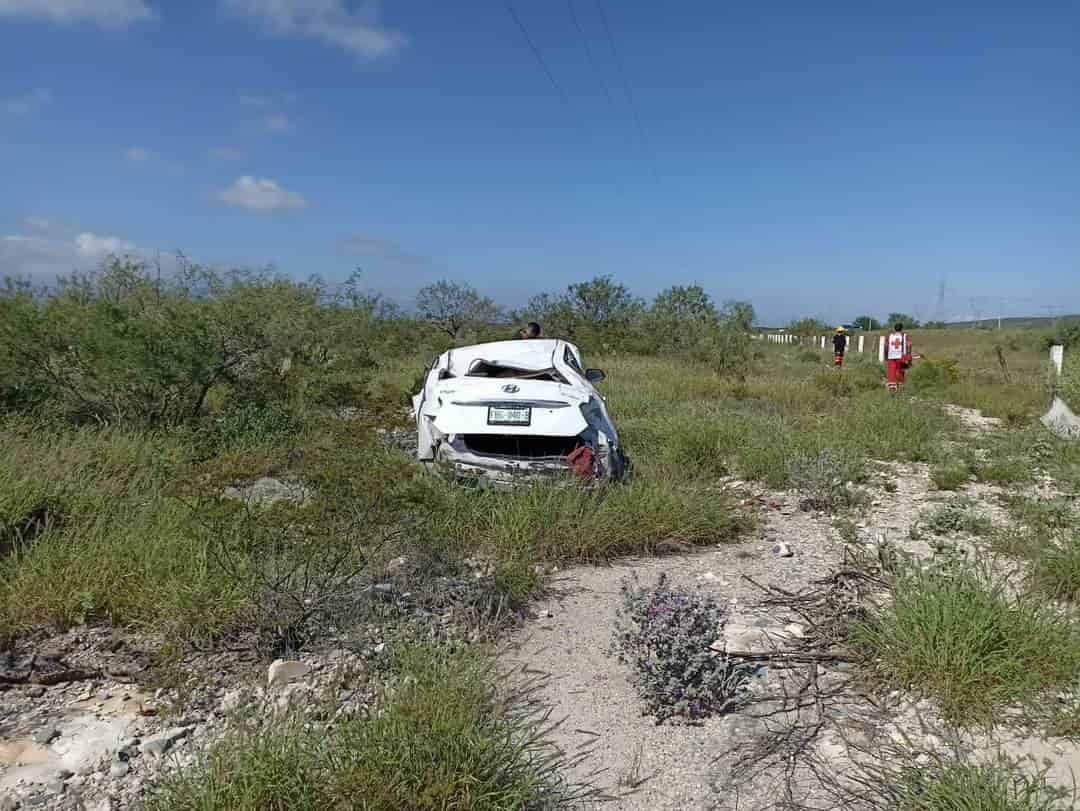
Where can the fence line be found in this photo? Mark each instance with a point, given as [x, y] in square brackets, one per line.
[819, 341]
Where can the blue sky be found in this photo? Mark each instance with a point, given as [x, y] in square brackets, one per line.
[816, 158]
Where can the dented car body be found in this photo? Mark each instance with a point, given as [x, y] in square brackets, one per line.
[510, 411]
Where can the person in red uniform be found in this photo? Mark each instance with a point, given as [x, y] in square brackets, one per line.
[839, 343]
[897, 356]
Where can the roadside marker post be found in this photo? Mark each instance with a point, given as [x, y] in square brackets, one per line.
[1057, 357]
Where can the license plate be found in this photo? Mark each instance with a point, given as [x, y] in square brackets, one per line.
[509, 415]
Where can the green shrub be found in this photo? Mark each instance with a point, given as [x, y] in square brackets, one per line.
[822, 480]
[1000, 785]
[1069, 384]
[1045, 516]
[950, 475]
[849, 380]
[956, 517]
[933, 373]
[245, 425]
[1004, 470]
[566, 523]
[847, 529]
[1067, 335]
[956, 636]
[452, 736]
[1056, 572]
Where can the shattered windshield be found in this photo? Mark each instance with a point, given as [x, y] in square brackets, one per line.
[485, 368]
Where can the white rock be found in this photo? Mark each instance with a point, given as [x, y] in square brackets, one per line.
[283, 672]
[119, 770]
[796, 630]
[294, 695]
[749, 639]
[158, 745]
[784, 550]
[232, 700]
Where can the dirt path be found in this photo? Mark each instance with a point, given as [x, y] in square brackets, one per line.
[588, 687]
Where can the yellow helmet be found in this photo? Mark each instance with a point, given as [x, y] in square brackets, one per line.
[841, 329]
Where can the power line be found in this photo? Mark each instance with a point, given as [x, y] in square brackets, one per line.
[626, 87]
[589, 53]
[539, 57]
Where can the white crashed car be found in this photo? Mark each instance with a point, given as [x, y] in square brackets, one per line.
[509, 411]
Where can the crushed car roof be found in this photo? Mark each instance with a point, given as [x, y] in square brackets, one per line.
[530, 353]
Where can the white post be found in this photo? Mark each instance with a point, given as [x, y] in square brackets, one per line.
[881, 349]
[1057, 357]
[822, 341]
[862, 342]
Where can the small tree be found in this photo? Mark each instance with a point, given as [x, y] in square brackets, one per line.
[555, 314]
[679, 318]
[684, 303]
[452, 307]
[122, 345]
[808, 326]
[901, 318]
[369, 304]
[738, 315]
[867, 323]
[603, 302]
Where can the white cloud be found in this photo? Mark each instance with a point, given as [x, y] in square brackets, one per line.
[331, 21]
[225, 153]
[136, 154]
[107, 13]
[44, 248]
[259, 194]
[28, 104]
[91, 246]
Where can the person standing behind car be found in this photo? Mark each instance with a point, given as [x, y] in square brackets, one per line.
[897, 356]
